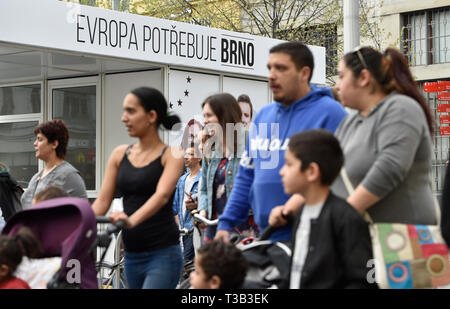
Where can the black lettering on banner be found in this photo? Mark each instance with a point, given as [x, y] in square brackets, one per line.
[79, 28]
[190, 44]
[133, 34]
[237, 53]
[165, 40]
[224, 50]
[116, 33]
[145, 39]
[91, 33]
[181, 44]
[242, 51]
[212, 48]
[233, 49]
[102, 31]
[153, 40]
[173, 41]
[197, 47]
[207, 48]
[250, 54]
[122, 25]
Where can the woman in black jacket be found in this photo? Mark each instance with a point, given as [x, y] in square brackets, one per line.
[10, 193]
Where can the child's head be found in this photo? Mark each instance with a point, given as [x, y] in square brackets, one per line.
[23, 243]
[218, 265]
[48, 193]
[313, 156]
[10, 256]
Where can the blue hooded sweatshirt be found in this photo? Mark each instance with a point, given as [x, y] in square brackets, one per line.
[258, 182]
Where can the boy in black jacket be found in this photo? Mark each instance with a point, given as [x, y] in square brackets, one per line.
[330, 240]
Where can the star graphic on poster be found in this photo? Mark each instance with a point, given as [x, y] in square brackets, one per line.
[188, 79]
[179, 102]
[170, 105]
[186, 93]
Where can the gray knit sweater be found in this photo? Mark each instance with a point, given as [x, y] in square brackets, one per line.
[389, 153]
[64, 175]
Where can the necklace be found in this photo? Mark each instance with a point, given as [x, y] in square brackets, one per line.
[43, 175]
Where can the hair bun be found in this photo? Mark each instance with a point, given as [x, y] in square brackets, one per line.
[169, 121]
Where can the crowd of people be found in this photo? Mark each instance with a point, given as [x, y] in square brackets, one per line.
[278, 167]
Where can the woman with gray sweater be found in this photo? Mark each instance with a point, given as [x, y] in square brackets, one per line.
[387, 142]
[51, 142]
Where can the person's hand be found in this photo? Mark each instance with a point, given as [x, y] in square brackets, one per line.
[222, 235]
[190, 204]
[278, 216]
[201, 225]
[121, 216]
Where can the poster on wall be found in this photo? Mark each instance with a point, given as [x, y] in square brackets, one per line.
[187, 91]
[257, 91]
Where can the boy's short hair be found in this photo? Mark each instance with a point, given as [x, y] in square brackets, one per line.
[225, 261]
[50, 192]
[319, 146]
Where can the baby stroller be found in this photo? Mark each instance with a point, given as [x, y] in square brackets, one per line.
[66, 227]
[268, 262]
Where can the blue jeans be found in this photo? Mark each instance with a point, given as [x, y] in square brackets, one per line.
[156, 269]
[188, 245]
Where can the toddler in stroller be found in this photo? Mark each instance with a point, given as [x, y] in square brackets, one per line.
[66, 228]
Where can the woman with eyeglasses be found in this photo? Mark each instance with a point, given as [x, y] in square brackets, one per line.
[387, 142]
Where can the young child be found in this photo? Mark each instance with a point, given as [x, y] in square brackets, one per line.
[218, 265]
[330, 240]
[10, 258]
[48, 193]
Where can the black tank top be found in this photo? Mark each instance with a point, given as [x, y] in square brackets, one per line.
[137, 185]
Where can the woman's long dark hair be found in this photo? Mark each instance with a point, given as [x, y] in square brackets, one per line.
[391, 72]
[153, 99]
[227, 111]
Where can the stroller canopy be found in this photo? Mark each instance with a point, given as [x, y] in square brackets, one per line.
[66, 227]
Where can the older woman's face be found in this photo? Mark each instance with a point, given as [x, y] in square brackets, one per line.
[43, 148]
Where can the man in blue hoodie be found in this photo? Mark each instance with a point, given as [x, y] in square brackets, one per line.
[298, 106]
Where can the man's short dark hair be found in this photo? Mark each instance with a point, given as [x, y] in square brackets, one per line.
[225, 261]
[319, 146]
[300, 54]
[245, 98]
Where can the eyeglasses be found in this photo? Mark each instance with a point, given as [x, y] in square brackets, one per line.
[357, 50]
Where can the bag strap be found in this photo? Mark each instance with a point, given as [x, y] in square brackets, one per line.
[437, 208]
[350, 190]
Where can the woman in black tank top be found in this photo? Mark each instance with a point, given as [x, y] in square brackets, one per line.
[145, 174]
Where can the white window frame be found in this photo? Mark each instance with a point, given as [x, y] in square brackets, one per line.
[25, 117]
[82, 82]
[39, 117]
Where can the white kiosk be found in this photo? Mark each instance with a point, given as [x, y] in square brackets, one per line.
[77, 63]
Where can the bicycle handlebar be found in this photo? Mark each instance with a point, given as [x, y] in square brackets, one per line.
[102, 219]
[205, 220]
[184, 231]
[269, 230]
[103, 238]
